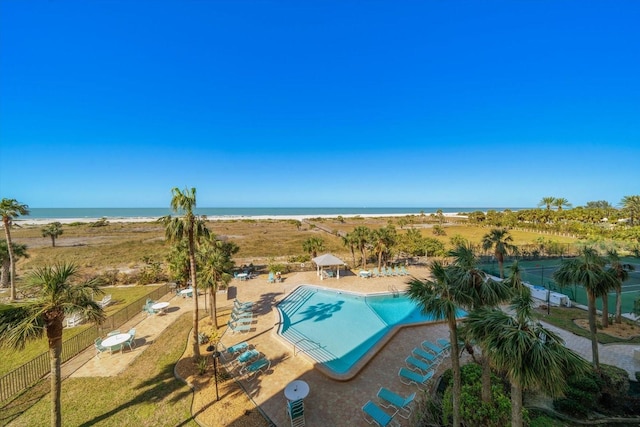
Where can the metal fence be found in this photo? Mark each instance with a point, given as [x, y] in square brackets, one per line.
[31, 372]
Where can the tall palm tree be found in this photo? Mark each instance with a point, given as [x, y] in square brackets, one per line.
[191, 227]
[10, 209]
[621, 271]
[313, 245]
[178, 262]
[362, 240]
[441, 297]
[348, 241]
[631, 205]
[383, 240]
[561, 202]
[547, 202]
[217, 267]
[588, 271]
[19, 251]
[480, 291]
[56, 297]
[499, 240]
[53, 230]
[531, 356]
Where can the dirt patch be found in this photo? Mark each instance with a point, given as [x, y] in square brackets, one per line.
[234, 408]
[622, 330]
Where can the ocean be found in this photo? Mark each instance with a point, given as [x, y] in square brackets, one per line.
[222, 213]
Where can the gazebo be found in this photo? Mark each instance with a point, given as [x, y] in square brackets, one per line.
[327, 260]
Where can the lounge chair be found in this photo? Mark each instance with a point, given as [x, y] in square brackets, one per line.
[444, 343]
[236, 349]
[402, 405]
[271, 278]
[425, 355]
[244, 328]
[241, 313]
[244, 320]
[435, 349]
[106, 300]
[413, 363]
[375, 272]
[247, 357]
[248, 305]
[374, 414]
[295, 410]
[252, 370]
[408, 377]
[75, 319]
[99, 348]
[404, 271]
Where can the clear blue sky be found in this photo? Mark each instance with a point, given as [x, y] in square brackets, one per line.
[107, 103]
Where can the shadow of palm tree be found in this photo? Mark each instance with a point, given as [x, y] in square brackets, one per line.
[155, 389]
[319, 312]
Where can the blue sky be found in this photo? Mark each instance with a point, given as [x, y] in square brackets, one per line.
[109, 103]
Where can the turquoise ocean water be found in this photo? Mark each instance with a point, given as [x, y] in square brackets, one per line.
[67, 213]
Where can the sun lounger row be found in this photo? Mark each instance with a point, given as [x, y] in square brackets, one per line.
[389, 271]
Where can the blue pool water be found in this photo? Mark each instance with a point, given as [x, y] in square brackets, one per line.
[337, 328]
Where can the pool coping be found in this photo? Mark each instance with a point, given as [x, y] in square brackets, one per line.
[366, 358]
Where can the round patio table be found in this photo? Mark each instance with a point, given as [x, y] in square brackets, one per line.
[115, 340]
[296, 390]
[160, 306]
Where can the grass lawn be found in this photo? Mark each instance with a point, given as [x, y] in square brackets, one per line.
[120, 297]
[145, 394]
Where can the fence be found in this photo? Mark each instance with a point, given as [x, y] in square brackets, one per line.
[31, 372]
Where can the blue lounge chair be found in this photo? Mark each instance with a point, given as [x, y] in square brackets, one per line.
[261, 365]
[247, 356]
[271, 278]
[444, 343]
[435, 349]
[413, 363]
[244, 320]
[421, 353]
[389, 399]
[408, 377]
[373, 414]
[244, 328]
[239, 312]
[244, 306]
[404, 271]
[237, 349]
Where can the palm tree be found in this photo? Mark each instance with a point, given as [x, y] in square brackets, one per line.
[561, 202]
[631, 205]
[383, 240]
[19, 251]
[56, 297]
[53, 230]
[192, 228]
[531, 356]
[217, 266]
[441, 297]
[178, 262]
[362, 239]
[313, 245]
[547, 202]
[348, 241]
[499, 240]
[588, 271]
[621, 271]
[479, 290]
[10, 209]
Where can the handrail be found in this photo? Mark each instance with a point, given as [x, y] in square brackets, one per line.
[295, 345]
[394, 291]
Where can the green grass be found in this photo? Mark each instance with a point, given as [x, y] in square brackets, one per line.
[145, 394]
[563, 317]
[120, 297]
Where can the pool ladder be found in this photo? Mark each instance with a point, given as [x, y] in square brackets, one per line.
[394, 291]
[302, 350]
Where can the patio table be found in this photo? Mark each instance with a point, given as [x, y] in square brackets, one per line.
[160, 306]
[296, 390]
[115, 340]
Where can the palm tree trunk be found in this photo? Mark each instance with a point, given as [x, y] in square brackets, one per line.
[605, 310]
[12, 274]
[516, 405]
[4, 277]
[455, 368]
[486, 378]
[593, 330]
[54, 335]
[619, 304]
[214, 313]
[194, 286]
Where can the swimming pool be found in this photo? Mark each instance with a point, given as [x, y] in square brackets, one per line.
[340, 329]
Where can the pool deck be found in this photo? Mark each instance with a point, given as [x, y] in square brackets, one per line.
[330, 402]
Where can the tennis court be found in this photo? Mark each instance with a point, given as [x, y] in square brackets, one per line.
[540, 273]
